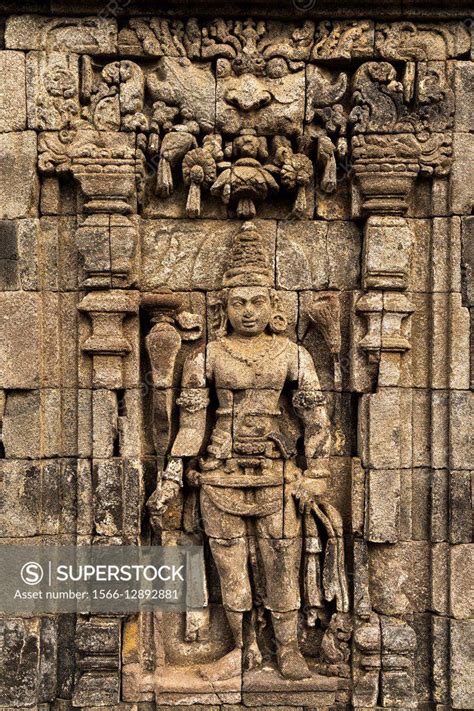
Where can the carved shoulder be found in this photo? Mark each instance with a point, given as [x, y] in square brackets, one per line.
[307, 376]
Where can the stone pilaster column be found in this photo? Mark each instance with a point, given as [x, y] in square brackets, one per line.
[382, 188]
[104, 166]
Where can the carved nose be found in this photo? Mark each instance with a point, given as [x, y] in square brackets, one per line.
[248, 99]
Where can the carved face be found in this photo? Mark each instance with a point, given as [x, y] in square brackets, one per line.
[249, 310]
[271, 102]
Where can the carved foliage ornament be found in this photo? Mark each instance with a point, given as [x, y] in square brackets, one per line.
[242, 111]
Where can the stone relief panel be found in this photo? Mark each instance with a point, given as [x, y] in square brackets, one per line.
[236, 272]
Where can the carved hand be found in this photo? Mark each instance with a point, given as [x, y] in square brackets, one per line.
[160, 500]
[308, 491]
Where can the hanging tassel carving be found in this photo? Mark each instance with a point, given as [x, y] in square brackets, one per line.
[199, 170]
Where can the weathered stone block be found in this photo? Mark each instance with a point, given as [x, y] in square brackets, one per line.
[302, 257]
[462, 429]
[98, 636]
[468, 259]
[108, 501]
[439, 435]
[190, 254]
[388, 243]
[462, 174]
[419, 266]
[104, 422]
[82, 35]
[445, 254]
[462, 665]
[460, 506]
[58, 258]
[440, 636]
[399, 577]
[13, 95]
[28, 677]
[464, 92]
[117, 498]
[382, 518]
[39, 498]
[21, 505]
[439, 575]
[19, 192]
[380, 429]
[461, 581]
[420, 504]
[399, 645]
[416, 363]
[423, 429]
[28, 249]
[9, 278]
[344, 246]
[20, 348]
[439, 505]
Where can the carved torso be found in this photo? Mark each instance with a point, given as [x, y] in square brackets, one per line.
[249, 376]
[262, 362]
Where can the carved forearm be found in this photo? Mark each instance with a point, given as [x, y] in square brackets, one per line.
[310, 407]
[192, 422]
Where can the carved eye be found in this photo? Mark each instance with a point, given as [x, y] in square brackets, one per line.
[223, 68]
[277, 67]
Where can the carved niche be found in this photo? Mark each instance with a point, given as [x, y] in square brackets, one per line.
[246, 229]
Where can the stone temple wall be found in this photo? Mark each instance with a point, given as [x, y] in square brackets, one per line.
[237, 248]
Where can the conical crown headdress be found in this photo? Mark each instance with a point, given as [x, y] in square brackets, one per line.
[249, 262]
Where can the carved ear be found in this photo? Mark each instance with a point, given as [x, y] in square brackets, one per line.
[278, 322]
[218, 314]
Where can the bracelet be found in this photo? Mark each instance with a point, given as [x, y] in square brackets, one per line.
[193, 399]
[308, 399]
[174, 471]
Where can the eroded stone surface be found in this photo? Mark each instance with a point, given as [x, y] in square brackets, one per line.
[13, 96]
[18, 180]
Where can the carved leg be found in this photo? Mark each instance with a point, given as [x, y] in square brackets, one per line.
[281, 560]
[291, 663]
[230, 555]
[230, 664]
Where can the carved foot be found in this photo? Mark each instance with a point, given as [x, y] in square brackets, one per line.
[291, 663]
[225, 668]
[253, 656]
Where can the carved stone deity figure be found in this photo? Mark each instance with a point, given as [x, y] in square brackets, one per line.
[260, 499]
